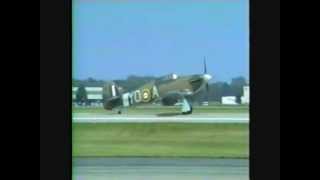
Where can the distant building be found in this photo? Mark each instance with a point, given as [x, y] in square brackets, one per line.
[94, 95]
[205, 103]
[74, 92]
[245, 99]
[229, 100]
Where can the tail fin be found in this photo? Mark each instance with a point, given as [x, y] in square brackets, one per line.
[111, 96]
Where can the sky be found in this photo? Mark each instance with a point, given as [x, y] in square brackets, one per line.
[116, 38]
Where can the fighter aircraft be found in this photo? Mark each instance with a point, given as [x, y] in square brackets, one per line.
[167, 90]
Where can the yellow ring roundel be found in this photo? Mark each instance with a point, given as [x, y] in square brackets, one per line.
[146, 96]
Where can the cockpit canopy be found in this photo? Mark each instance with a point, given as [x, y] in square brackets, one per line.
[166, 78]
[170, 77]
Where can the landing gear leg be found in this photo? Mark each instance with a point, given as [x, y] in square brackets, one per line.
[186, 107]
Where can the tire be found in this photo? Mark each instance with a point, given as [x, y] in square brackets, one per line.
[188, 112]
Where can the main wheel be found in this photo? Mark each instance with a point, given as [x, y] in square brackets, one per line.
[119, 112]
[188, 112]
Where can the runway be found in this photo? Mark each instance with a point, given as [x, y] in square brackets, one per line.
[160, 169]
[175, 118]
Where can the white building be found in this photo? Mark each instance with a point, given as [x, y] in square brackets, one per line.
[205, 103]
[245, 99]
[74, 92]
[228, 100]
[93, 93]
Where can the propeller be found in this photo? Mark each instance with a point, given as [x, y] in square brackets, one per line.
[206, 76]
[205, 65]
[205, 73]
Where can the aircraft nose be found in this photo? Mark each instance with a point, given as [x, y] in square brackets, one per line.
[207, 77]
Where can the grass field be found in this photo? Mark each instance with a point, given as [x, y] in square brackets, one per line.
[160, 140]
[169, 109]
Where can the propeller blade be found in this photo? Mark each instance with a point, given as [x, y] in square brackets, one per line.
[205, 65]
[205, 73]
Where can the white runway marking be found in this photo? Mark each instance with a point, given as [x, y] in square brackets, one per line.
[115, 119]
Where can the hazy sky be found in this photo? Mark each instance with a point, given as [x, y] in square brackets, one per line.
[114, 39]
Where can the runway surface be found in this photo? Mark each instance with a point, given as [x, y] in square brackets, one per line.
[160, 169]
[193, 118]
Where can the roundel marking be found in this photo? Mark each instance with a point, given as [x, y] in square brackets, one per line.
[146, 95]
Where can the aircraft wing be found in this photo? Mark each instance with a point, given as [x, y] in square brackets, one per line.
[173, 97]
[181, 94]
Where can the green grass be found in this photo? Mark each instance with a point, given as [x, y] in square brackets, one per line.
[160, 140]
[169, 109]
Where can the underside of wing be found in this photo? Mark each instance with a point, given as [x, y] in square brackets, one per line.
[171, 98]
